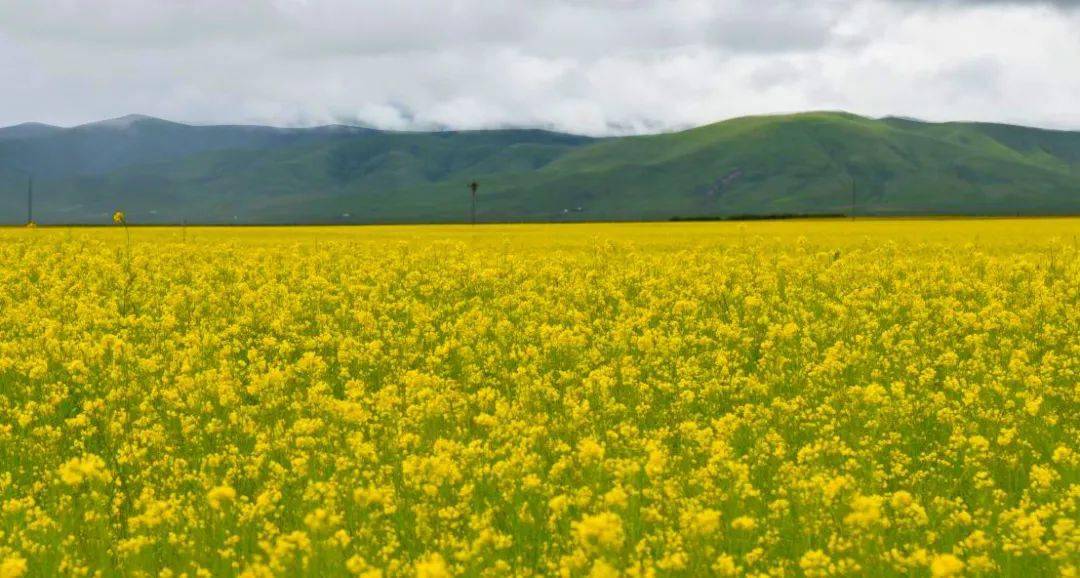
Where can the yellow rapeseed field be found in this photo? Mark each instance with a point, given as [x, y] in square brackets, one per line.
[833, 398]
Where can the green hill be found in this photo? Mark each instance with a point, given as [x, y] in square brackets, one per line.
[812, 163]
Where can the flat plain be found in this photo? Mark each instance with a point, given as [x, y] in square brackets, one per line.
[794, 398]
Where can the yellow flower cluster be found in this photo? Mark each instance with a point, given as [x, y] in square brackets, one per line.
[83, 469]
[220, 496]
[868, 398]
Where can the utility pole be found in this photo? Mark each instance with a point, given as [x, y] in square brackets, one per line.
[472, 187]
[852, 194]
[30, 199]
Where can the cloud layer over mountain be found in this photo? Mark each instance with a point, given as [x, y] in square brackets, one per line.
[592, 66]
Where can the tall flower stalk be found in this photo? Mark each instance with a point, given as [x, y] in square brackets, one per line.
[120, 219]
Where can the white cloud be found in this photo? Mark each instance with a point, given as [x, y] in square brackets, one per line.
[594, 66]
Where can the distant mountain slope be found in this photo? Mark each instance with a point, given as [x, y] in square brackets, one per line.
[102, 147]
[28, 130]
[810, 163]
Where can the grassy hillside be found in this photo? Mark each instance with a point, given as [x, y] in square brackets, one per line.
[806, 164]
[810, 163]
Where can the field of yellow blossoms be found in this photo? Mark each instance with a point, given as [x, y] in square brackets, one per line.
[833, 398]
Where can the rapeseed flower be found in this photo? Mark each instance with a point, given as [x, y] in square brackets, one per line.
[433, 566]
[946, 565]
[86, 468]
[13, 567]
[798, 398]
[600, 532]
[220, 496]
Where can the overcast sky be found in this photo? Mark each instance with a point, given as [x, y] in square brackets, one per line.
[586, 66]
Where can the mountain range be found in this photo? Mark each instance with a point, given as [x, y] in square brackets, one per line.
[819, 163]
